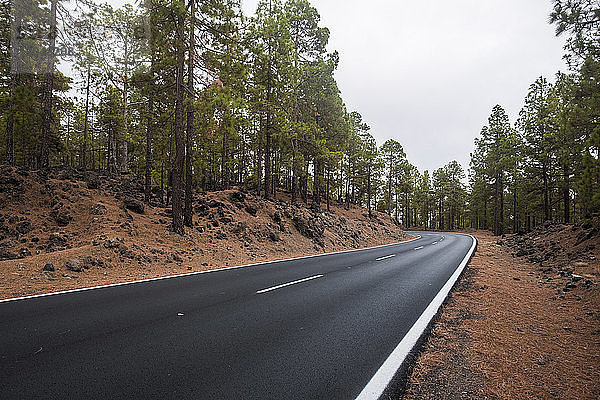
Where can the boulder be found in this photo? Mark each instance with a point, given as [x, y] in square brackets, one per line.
[7, 250]
[237, 196]
[61, 216]
[24, 227]
[251, 209]
[311, 227]
[74, 265]
[57, 240]
[93, 181]
[134, 205]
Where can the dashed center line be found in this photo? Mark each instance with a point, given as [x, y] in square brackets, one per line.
[434, 243]
[288, 284]
[418, 248]
[384, 257]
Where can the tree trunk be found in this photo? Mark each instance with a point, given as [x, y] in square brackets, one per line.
[225, 154]
[85, 122]
[268, 128]
[501, 217]
[317, 184]
[149, 133]
[294, 170]
[187, 215]
[10, 121]
[369, 192]
[515, 214]
[259, 157]
[112, 152]
[485, 221]
[566, 195]
[390, 189]
[496, 202]
[178, 162]
[546, 200]
[327, 190]
[48, 90]
[125, 144]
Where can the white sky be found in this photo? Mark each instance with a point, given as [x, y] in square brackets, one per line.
[427, 73]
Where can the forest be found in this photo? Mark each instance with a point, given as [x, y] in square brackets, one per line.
[194, 96]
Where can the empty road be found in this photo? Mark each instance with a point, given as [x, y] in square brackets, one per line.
[310, 328]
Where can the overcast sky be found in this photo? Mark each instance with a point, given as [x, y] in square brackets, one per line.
[427, 73]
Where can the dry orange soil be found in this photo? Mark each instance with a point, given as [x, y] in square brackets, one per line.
[511, 331]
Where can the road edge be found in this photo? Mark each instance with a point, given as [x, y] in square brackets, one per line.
[399, 358]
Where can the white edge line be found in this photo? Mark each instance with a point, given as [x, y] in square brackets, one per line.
[288, 284]
[379, 382]
[202, 272]
[384, 257]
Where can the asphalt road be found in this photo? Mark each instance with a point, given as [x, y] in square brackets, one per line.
[230, 334]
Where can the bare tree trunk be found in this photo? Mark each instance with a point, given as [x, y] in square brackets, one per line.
[485, 221]
[515, 214]
[125, 144]
[546, 200]
[501, 218]
[268, 147]
[390, 189]
[10, 121]
[566, 195]
[268, 126]
[327, 190]
[187, 215]
[149, 132]
[369, 192]
[259, 157]
[294, 170]
[496, 203]
[225, 155]
[113, 152]
[178, 162]
[48, 90]
[85, 122]
[318, 165]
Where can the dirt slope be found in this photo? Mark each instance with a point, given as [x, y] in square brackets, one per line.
[98, 231]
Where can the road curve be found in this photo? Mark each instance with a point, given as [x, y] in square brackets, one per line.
[310, 328]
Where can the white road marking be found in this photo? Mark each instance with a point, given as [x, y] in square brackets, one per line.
[288, 284]
[384, 375]
[418, 248]
[384, 257]
[434, 243]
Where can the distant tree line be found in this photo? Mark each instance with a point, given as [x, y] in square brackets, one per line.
[194, 96]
